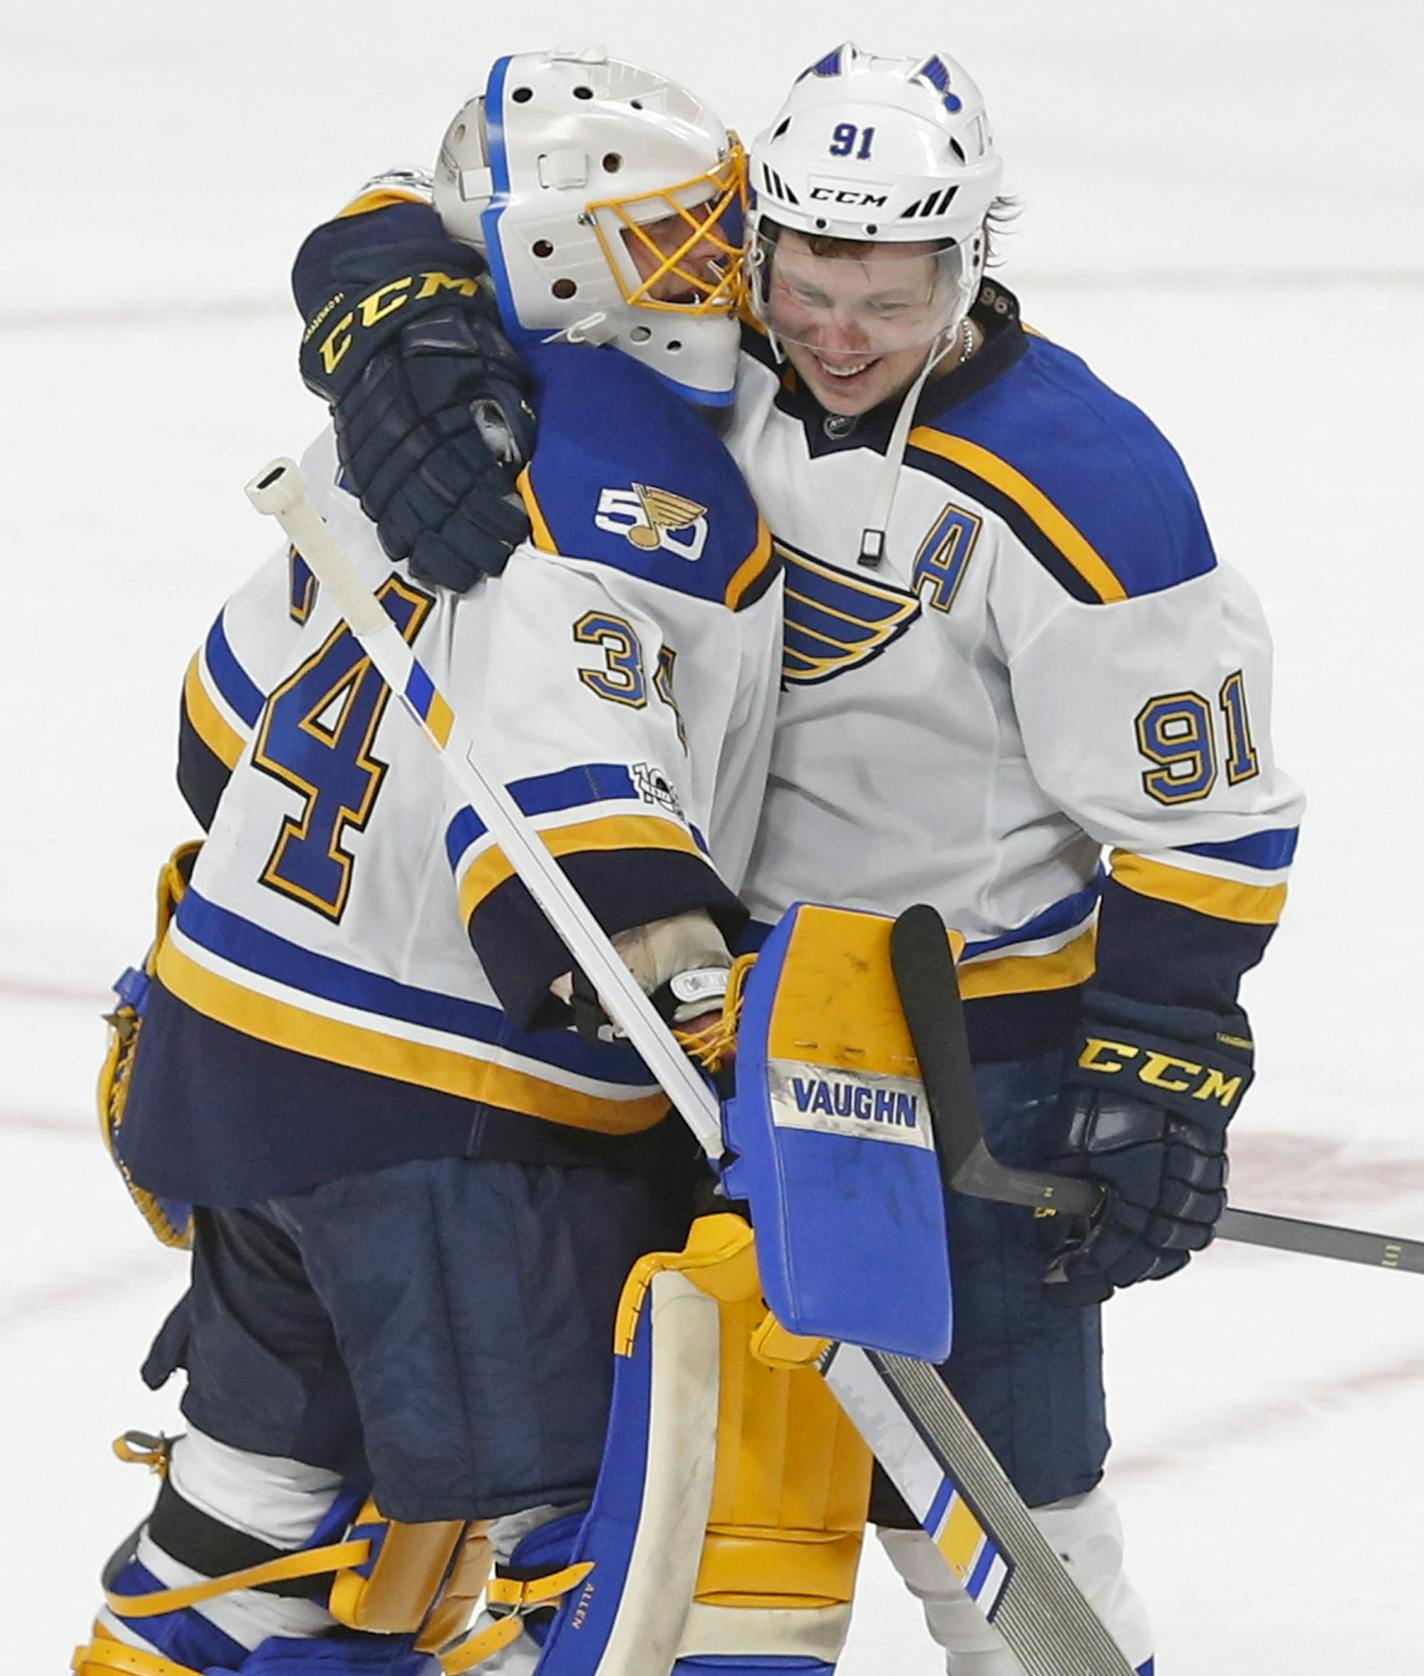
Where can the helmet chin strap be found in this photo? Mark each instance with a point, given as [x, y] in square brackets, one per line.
[872, 537]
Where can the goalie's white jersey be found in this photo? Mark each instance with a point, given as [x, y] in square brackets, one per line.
[1049, 669]
[320, 1006]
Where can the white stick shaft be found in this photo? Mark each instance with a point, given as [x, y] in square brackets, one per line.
[280, 491]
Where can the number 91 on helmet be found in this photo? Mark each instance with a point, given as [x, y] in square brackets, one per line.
[610, 204]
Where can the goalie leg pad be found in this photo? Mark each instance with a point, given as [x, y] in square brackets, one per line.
[1085, 1530]
[349, 1656]
[726, 1526]
[169, 1589]
[250, 1562]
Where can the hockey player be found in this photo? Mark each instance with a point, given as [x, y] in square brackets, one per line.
[1018, 684]
[417, 1201]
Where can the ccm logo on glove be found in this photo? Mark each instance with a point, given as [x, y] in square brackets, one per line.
[1164, 1072]
[376, 306]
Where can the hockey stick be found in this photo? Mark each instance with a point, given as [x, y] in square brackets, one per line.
[929, 991]
[940, 1465]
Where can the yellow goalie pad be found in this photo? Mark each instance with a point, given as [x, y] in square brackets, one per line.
[792, 1482]
[104, 1656]
[172, 1223]
[744, 1486]
[421, 1579]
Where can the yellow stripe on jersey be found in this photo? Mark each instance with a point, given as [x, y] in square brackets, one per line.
[287, 1026]
[1017, 974]
[1220, 898]
[999, 474]
[751, 568]
[539, 532]
[382, 198]
[613, 832]
[223, 740]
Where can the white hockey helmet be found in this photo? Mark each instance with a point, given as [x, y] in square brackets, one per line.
[887, 150]
[610, 203]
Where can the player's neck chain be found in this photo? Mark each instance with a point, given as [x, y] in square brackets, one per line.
[970, 343]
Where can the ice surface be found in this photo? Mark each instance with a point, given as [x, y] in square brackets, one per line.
[1221, 212]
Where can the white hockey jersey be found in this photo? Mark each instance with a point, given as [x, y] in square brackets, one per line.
[1047, 712]
[1048, 667]
[355, 976]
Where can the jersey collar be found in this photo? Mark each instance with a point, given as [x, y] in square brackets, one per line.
[995, 313]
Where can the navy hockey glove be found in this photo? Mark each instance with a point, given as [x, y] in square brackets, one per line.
[1145, 1110]
[428, 396]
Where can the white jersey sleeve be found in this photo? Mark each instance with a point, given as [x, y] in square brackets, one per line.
[355, 975]
[632, 725]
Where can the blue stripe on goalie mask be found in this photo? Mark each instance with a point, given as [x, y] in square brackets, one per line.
[490, 215]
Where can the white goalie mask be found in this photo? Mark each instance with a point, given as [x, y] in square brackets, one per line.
[610, 204]
[895, 152]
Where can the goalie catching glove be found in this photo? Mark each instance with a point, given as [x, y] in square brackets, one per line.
[428, 398]
[1149, 1095]
[682, 965]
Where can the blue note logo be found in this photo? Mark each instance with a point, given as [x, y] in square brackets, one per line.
[836, 620]
[649, 519]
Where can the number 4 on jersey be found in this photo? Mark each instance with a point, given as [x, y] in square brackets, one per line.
[316, 738]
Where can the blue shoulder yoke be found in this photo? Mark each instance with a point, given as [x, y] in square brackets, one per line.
[1084, 478]
[627, 474]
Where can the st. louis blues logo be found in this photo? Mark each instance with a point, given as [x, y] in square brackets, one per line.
[936, 72]
[836, 620]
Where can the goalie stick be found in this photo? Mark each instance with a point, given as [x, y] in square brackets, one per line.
[929, 991]
[921, 1437]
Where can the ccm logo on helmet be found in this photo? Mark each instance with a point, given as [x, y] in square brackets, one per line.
[839, 195]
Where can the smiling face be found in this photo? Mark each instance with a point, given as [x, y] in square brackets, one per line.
[857, 320]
